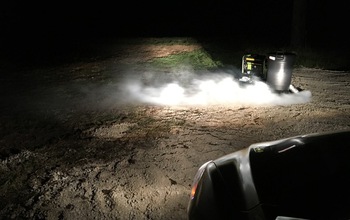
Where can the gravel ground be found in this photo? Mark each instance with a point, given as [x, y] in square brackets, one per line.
[74, 145]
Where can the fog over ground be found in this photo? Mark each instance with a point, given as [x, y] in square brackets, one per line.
[184, 87]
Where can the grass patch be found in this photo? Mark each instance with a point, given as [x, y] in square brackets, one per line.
[197, 59]
[157, 41]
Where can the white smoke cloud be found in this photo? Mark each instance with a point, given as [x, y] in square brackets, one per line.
[188, 88]
[182, 87]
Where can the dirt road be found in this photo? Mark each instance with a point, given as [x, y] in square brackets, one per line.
[69, 151]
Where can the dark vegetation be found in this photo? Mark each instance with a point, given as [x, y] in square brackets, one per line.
[47, 35]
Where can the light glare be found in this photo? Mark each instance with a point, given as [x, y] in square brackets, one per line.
[214, 89]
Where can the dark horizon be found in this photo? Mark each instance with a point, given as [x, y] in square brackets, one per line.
[222, 18]
[33, 28]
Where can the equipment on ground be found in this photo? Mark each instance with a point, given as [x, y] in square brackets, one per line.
[275, 69]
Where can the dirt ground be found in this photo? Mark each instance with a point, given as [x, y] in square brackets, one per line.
[73, 145]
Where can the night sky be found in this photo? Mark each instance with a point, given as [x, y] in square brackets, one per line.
[165, 17]
[45, 24]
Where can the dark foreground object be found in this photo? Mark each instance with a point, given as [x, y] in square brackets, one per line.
[302, 177]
